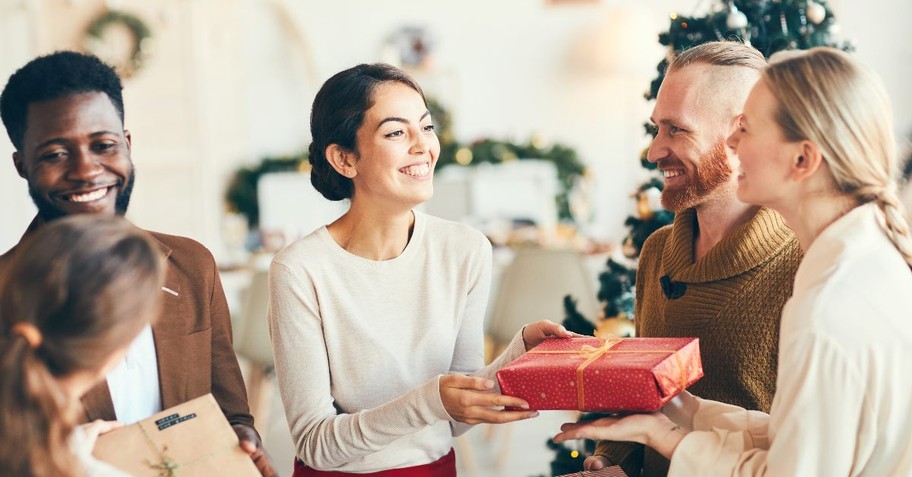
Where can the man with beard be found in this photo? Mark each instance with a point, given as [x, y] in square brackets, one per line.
[724, 269]
[64, 115]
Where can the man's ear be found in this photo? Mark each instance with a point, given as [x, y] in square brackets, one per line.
[129, 138]
[342, 160]
[20, 167]
[808, 159]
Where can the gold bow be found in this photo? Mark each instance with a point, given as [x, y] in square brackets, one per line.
[592, 353]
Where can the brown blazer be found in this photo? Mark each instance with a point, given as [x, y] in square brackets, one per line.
[192, 335]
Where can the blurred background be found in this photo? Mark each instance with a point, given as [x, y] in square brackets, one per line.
[226, 83]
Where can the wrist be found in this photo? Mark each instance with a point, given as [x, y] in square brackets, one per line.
[666, 439]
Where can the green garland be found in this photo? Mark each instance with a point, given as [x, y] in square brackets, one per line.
[141, 35]
[494, 151]
[241, 195]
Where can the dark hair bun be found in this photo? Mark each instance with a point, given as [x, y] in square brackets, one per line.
[325, 179]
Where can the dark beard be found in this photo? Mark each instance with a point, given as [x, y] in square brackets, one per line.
[712, 172]
[48, 212]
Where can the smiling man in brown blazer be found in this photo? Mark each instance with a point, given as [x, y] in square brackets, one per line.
[64, 114]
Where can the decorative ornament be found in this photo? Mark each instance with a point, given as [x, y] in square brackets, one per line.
[463, 156]
[411, 46]
[120, 39]
[643, 207]
[736, 19]
[835, 28]
[815, 12]
[619, 326]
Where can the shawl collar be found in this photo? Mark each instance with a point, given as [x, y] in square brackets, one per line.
[744, 248]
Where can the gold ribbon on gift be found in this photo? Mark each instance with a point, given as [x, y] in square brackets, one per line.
[593, 353]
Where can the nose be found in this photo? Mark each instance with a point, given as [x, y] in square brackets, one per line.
[421, 142]
[734, 134]
[733, 139]
[84, 166]
[657, 150]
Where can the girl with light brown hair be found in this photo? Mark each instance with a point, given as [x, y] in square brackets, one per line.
[816, 144]
[71, 303]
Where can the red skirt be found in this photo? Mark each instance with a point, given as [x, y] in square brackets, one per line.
[443, 467]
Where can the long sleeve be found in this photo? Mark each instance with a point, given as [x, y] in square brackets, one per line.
[227, 382]
[323, 437]
[807, 433]
[468, 356]
[468, 353]
[842, 401]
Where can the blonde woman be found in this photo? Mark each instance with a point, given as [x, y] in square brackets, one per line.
[816, 144]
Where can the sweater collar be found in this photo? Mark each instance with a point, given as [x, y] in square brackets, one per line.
[747, 246]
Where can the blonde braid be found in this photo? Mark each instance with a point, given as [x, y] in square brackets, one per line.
[897, 225]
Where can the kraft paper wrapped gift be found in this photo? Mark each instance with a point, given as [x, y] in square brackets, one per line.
[594, 374]
[192, 439]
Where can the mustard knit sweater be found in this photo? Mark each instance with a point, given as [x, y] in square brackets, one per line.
[731, 299]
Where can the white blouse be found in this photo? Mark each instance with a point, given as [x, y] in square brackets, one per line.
[843, 404]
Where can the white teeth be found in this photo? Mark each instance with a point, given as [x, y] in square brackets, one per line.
[419, 170]
[88, 196]
[672, 173]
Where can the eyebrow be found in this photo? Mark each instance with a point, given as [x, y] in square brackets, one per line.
[402, 120]
[676, 122]
[58, 140]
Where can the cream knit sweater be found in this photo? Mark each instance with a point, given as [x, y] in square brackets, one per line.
[360, 344]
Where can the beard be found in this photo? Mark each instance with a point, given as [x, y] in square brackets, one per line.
[48, 211]
[712, 172]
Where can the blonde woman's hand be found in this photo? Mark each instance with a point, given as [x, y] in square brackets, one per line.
[534, 333]
[653, 429]
[471, 400]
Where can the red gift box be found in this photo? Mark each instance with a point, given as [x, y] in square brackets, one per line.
[594, 374]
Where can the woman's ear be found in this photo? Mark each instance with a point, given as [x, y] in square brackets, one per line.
[808, 159]
[342, 160]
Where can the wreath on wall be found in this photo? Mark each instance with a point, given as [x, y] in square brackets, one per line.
[99, 44]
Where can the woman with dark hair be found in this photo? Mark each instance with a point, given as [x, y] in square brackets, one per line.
[72, 302]
[377, 318]
[815, 144]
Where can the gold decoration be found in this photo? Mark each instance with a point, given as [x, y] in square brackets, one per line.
[463, 156]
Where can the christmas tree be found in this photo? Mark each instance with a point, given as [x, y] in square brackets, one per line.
[769, 26]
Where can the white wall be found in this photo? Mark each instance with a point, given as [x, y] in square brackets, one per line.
[232, 81]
